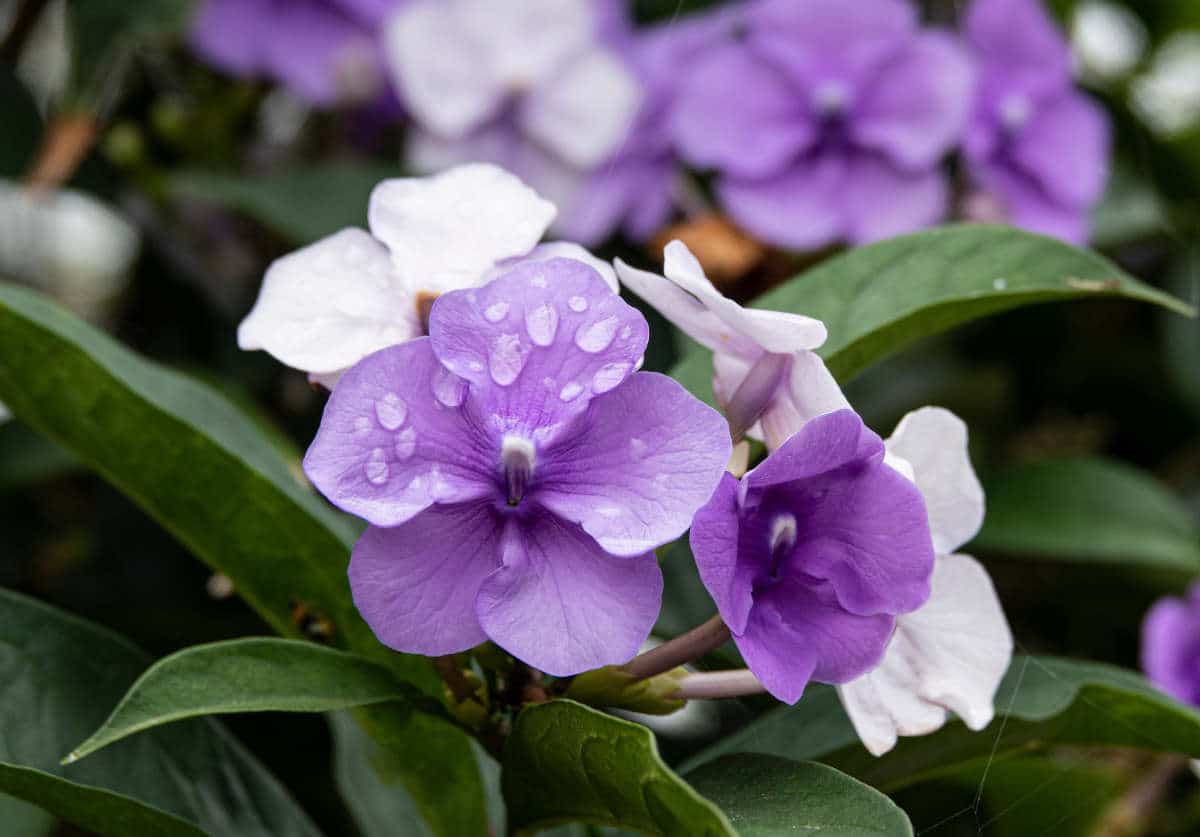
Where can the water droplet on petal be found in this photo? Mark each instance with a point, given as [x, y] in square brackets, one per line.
[638, 447]
[538, 281]
[626, 332]
[391, 411]
[608, 511]
[496, 312]
[448, 388]
[577, 304]
[505, 361]
[362, 425]
[406, 443]
[608, 376]
[475, 366]
[596, 337]
[377, 467]
[570, 392]
[549, 383]
[542, 324]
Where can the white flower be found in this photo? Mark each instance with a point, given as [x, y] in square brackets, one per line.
[765, 376]
[950, 654]
[325, 307]
[461, 64]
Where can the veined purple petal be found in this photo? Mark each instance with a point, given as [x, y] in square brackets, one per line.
[714, 542]
[799, 208]
[1065, 147]
[416, 583]
[538, 344]
[881, 201]
[395, 439]
[562, 604]
[636, 466]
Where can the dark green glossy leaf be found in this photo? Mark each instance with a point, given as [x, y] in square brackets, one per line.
[767, 796]
[60, 675]
[245, 675]
[567, 762]
[379, 808]
[301, 205]
[876, 300]
[1042, 701]
[1090, 509]
[209, 475]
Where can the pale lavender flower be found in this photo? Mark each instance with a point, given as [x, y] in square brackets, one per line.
[813, 555]
[517, 473]
[1036, 148]
[827, 120]
[537, 86]
[324, 51]
[1171, 646]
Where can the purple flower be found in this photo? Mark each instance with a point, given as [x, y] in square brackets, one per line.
[323, 50]
[1171, 646]
[827, 120]
[1036, 147]
[814, 554]
[517, 473]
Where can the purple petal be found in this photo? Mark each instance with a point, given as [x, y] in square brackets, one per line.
[714, 541]
[1171, 648]
[916, 108]
[390, 444]
[311, 48]
[738, 114]
[797, 633]
[538, 343]
[1018, 36]
[637, 465]
[798, 209]
[881, 201]
[229, 34]
[825, 443]
[416, 583]
[562, 604]
[1025, 204]
[1065, 147]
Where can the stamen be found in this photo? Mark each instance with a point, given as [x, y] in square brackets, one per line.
[783, 538]
[831, 98]
[517, 456]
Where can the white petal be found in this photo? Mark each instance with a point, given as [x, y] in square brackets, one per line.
[684, 310]
[525, 42]
[934, 441]
[325, 307]
[445, 231]
[949, 655]
[584, 112]
[811, 392]
[773, 331]
[437, 67]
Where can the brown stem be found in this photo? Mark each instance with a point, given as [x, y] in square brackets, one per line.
[684, 648]
[67, 140]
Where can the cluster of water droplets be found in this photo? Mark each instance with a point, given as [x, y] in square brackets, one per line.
[391, 413]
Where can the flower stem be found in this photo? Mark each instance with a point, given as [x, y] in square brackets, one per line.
[684, 648]
[719, 684]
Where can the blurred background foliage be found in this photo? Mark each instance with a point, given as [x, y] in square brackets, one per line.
[1085, 418]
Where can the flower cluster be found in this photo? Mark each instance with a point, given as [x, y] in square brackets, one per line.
[822, 121]
[488, 419]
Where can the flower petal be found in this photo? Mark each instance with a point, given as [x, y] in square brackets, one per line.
[445, 231]
[811, 391]
[416, 583]
[325, 307]
[737, 113]
[225, 34]
[881, 201]
[797, 632]
[916, 108]
[637, 465]
[934, 442]
[1018, 35]
[865, 526]
[561, 604]
[538, 343]
[319, 52]
[1027, 205]
[1065, 147]
[949, 655]
[558, 250]
[799, 208]
[395, 439]
[1171, 646]
[585, 111]
[714, 542]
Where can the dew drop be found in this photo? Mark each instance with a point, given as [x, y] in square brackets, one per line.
[448, 388]
[577, 304]
[626, 332]
[391, 411]
[549, 383]
[542, 324]
[505, 361]
[596, 337]
[608, 376]
[362, 425]
[1000, 284]
[475, 366]
[377, 467]
[608, 511]
[406, 443]
[538, 281]
[570, 392]
[496, 312]
[637, 447]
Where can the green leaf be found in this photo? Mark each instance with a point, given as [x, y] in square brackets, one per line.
[60, 675]
[767, 796]
[566, 762]
[876, 300]
[28, 457]
[1090, 509]
[379, 808]
[301, 205]
[1043, 701]
[210, 476]
[245, 675]
[25, 819]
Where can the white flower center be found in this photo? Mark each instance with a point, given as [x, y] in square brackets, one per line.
[517, 456]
